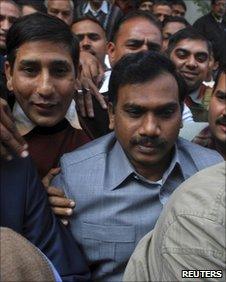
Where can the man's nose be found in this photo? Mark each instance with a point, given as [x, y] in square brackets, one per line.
[85, 43]
[144, 47]
[150, 126]
[191, 62]
[45, 86]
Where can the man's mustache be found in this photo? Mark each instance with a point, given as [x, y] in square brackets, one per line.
[221, 120]
[148, 141]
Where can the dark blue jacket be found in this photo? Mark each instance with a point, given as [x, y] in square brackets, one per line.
[25, 209]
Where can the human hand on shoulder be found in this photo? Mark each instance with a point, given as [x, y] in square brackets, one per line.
[60, 204]
[10, 138]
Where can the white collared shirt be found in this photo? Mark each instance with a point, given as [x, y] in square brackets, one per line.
[104, 8]
[25, 125]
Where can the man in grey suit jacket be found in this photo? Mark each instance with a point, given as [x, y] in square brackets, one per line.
[122, 180]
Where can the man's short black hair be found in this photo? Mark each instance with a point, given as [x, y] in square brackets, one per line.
[181, 3]
[141, 67]
[221, 70]
[40, 27]
[172, 19]
[37, 5]
[142, 1]
[90, 18]
[187, 33]
[136, 14]
[213, 2]
[162, 3]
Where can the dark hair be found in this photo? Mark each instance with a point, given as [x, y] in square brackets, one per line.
[162, 3]
[37, 5]
[90, 18]
[142, 1]
[213, 2]
[172, 19]
[40, 27]
[142, 67]
[136, 14]
[181, 3]
[187, 33]
[221, 70]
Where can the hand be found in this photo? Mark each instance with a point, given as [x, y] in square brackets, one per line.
[83, 99]
[91, 67]
[61, 206]
[10, 139]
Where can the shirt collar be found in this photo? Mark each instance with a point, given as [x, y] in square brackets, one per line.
[103, 8]
[119, 168]
[25, 125]
[217, 19]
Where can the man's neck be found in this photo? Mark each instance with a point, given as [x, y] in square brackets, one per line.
[193, 90]
[153, 172]
[95, 6]
[217, 17]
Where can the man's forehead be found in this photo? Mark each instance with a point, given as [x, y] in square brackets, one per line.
[59, 4]
[192, 45]
[139, 27]
[9, 9]
[164, 83]
[43, 51]
[87, 26]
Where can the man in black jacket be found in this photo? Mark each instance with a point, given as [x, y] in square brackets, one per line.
[213, 27]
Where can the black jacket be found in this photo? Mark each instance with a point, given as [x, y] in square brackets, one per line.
[25, 209]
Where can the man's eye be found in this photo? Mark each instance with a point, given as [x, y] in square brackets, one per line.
[201, 58]
[66, 14]
[221, 96]
[94, 37]
[12, 20]
[60, 71]
[80, 37]
[181, 54]
[134, 113]
[29, 70]
[166, 113]
[133, 45]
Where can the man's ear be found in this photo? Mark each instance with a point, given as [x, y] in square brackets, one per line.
[9, 77]
[111, 116]
[111, 52]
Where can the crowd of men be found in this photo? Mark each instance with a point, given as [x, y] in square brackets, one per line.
[106, 108]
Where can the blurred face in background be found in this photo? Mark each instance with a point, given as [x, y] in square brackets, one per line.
[168, 30]
[9, 12]
[217, 113]
[161, 11]
[219, 8]
[191, 58]
[146, 6]
[91, 38]
[62, 9]
[178, 10]
[134, 35]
